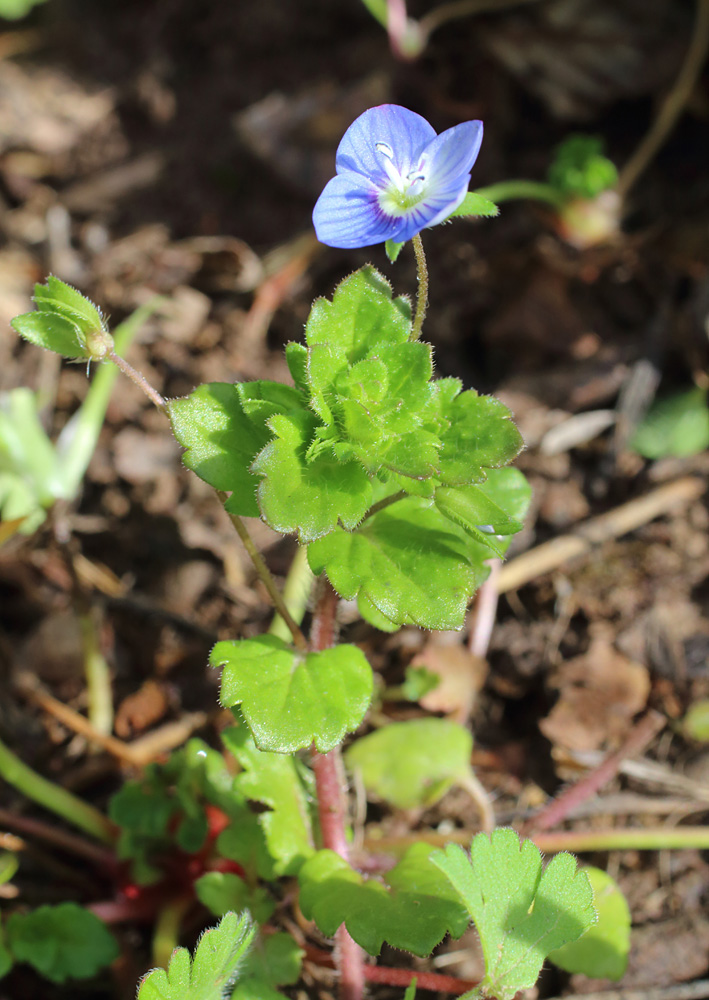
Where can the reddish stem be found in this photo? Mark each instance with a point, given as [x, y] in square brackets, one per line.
[332, 801]
[433, 981]
[559, 808]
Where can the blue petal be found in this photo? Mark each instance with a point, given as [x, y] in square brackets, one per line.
[347, 214]
[405, 132]
[452, 153]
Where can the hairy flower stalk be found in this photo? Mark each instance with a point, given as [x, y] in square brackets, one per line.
[395, 177]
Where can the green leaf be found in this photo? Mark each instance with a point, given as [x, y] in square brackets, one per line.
[51, 331]
[26, 452]
[677, 425]
[362, 315]
[291, 700]
[224, 891]
[218, 958]
[406, 561]
[602, 952]
[481, 436]
[275, 960]
[520, 913]
[9, 863]
[310, 497]
[410, 992]
[414, 913]
[475, 205]
[13, 10]
[6, 959]
[695, 724]
[272, 780]
[393, 250]
[413, 763]
[61, 942]
[475, 512]
[223, 427]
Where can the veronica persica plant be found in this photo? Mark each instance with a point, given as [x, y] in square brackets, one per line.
[395, 177]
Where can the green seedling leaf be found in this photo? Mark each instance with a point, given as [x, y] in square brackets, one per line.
[696, 722]
[9, 864]
[393, 250]
[410, 992]
[65, 321]
[520, 913]
[481, 436]
[677, 425]
[418, 681]
[413, 763]
[310, 497]
[223, 427]
[13, 10]
[275, 960]
[218, 958]
[224, 891]
[414, 913]
[272, 780]
[406, 562]
[291, 700]
[29, 471]
[580, 170]
[602, 952]
[61, 942]
[474, 205]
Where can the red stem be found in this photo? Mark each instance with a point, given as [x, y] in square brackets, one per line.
[332, 801]
[433, 981]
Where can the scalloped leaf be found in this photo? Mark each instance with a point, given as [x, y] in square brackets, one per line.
[218, 958]
[602, 952]
[521, 913]
[61, 942]
[362, 315]
[406, 562]
[412, 764]
[292, 700]
[223, 427]
[272, 779]
[414, 913]
[275, 960]
[310, 497]
[481, 436]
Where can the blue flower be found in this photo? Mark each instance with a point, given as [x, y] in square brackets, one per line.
[395, 177]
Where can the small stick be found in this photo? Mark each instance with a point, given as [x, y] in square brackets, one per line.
[62, 839]
[629, 516]
[422, 293]
[559, 808]
[673, 103]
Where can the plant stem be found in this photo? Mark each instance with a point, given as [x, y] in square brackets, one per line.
[509, 190]
[422, 293]
[98, 676]
[332, 804]
[296, 593]
[266, 578]
[58, 800]
[385, 502]
[140, 380]
[167, 929]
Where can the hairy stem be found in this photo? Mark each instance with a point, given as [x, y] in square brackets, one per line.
[296, 593]
[422, 293]
[58, 800]
[332, 802]
[140, 380]
[266, 578]
[385, 502]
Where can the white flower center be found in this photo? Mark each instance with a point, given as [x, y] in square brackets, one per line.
[406, 188]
